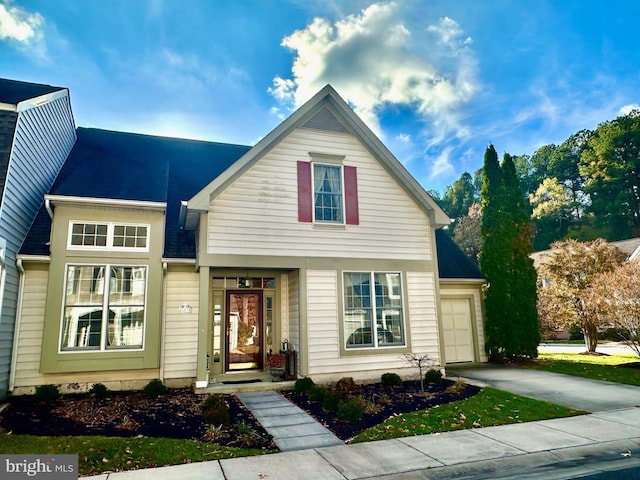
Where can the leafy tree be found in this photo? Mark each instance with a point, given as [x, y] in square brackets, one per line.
[552, 209]
[619, 299]
[468, 233]
[610, 164]
[566, 295]
[511, 322]
[460, 195]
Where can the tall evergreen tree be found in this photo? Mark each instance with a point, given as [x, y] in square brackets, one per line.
[493, 257]
[521, 294]
[510, 301]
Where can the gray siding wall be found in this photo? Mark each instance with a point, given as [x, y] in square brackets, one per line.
[43, 139]
[8, 121]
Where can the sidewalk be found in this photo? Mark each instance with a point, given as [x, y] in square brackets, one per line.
[551, 449]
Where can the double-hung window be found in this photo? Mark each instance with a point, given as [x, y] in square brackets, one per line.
[104, 307]
[108, 236]
[328, 200]
[373, 310]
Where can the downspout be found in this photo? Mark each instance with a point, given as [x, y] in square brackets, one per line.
[47, 206]
[163, 317]
[16, 334]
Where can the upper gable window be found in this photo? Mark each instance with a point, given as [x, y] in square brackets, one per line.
[328, 201]
[108, 236]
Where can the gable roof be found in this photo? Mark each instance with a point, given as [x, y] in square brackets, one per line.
[452, 262]
[13, 92]
[311, 114]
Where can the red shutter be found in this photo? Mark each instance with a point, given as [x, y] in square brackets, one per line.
[305, 196]
[351, 195]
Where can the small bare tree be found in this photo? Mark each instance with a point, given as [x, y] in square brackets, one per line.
[422, 362]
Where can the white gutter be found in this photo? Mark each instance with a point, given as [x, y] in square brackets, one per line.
[33, 258]
[16, 333]
[112, 202]
[163, 328]
[183, 261]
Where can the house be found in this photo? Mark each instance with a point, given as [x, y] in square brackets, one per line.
[190, 261]
[37, 132]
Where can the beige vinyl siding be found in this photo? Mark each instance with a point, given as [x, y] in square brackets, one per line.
[475, 294]
[323, 317]
[181, 329]
[259, 211]
[421, 292]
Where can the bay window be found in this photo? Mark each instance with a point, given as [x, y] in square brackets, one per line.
[104, 307]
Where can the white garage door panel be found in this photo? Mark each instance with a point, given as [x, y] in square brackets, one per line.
[457, 331]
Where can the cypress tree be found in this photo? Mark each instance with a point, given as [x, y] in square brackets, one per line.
[521, 294]
[510, 298]
[493, 258]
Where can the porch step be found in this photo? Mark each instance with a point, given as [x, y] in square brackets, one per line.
[246, 387]
[291, 427]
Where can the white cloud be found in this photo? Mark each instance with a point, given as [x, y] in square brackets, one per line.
[626, 109]
[404, 137]
[442, 165]
[23, 29]
[373, 61]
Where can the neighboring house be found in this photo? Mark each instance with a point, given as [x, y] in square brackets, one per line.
[37, 132]
[190, 261]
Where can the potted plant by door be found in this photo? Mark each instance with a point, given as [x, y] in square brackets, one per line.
[275, 365]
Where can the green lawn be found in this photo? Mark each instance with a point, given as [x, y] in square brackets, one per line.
[489, 407]
[599, 367]
[109, 454]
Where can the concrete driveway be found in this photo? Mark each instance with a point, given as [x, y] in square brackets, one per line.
[575, 392]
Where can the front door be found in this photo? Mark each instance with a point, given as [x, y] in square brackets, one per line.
[244, 336]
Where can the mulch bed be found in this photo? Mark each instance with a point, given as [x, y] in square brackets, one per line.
[386, 402]
[175, 414]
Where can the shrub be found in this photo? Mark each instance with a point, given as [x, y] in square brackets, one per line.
[47, 393]
[100, 391]
[318, 393]
[331, 400]
[350, 409]
[391, 380]
[303, 384]
[215, 411]
[434, 376]
[155, 388]
[346, 385]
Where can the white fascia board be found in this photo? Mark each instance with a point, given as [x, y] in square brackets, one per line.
[42, 99]
[8, 107]
[106, 202]
[179, 261]
[475, 281]
[34, 258]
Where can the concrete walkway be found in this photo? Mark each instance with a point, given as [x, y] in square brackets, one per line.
[291, 427]
[601, 444]
[575, 392]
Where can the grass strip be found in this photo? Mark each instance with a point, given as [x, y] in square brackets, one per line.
[489, 407]
[609, 368]
[98, 454]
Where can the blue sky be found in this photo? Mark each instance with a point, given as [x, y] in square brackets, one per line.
[437, 80]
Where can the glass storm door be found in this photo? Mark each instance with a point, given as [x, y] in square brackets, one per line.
[244, 330]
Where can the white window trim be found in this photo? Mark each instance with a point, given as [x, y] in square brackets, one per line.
[313, 193]
[110, 229]
[374, 321]
[105, 306]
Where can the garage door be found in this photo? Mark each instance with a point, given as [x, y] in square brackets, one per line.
[458, 334]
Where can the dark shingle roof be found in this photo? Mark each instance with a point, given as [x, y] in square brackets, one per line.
[452, 262]
[128, 166]
[14, 91]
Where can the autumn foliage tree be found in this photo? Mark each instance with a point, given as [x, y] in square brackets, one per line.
[568, 293]
[618, 298]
